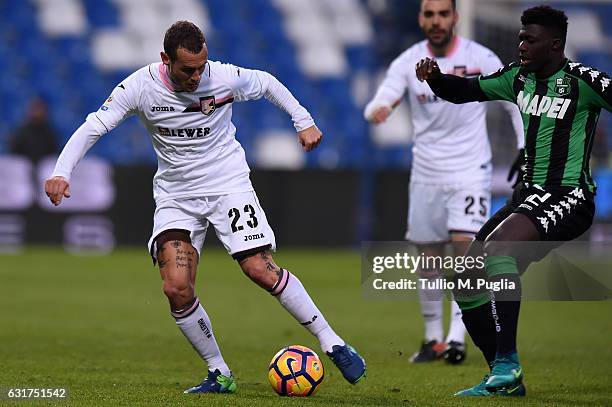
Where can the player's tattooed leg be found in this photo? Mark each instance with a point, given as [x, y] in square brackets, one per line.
[261, 269]
[177, 265]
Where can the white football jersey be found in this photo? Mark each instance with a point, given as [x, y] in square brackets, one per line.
[192, 132]
[450, 141]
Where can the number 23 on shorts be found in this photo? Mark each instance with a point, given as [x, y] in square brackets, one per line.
[237, 224]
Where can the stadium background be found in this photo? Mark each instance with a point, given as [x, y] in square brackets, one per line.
[330, 54]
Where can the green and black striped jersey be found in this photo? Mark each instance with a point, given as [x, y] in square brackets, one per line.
[560, 115]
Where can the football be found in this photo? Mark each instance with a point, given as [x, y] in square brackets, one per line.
[296, 371]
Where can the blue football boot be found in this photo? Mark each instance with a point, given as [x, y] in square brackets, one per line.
[506, 375]
[215, 382]
[351, 364]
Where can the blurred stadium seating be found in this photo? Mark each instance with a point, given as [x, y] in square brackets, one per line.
[330, 54]
[73, 52]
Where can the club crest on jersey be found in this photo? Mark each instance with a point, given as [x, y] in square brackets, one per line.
[207, 105]
[562, 86]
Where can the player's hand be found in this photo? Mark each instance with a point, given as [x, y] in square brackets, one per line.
[518, 168]
[56, 189]
[380, 115]
[310, 138]
[426, 69]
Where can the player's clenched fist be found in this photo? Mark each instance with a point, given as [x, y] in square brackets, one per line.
[380, 115]
[427, 69]
[310, 138]
[57, 188]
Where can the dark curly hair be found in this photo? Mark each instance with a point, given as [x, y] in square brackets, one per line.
[548, 17]
[183, 34]
[454, 2]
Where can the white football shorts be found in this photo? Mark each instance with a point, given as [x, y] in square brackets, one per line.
[238, 220]
[436, 211]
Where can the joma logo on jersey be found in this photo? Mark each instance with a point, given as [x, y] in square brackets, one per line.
[190, 133]
[555, 108]
[162, 109]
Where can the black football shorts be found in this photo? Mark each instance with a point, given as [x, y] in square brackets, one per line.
[559, 213]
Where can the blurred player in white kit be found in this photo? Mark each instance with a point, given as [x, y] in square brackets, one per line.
[450, 181]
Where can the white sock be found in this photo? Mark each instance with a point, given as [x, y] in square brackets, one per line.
[293, 296]
[195, 325]
[431, 309]
[456, 332]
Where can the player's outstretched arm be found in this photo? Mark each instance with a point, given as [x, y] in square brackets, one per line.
[389, 93]
[58, 185]
[310, 138]
[56, 189]
[120, 105]
[252, 84]
[452, 88]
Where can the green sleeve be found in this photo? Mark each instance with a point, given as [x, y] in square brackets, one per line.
[499, 85]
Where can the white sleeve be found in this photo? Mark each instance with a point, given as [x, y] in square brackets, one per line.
[251, 84]
[517, 122]
[117, 107]
[391, 90]
[80, 142]
[489, 64]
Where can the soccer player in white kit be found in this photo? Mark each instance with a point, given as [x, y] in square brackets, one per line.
[450, 181]
[185, 102]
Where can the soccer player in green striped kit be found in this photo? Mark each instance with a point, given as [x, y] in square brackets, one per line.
[560, 102]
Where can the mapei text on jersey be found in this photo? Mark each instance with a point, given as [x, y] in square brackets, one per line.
[554, 108]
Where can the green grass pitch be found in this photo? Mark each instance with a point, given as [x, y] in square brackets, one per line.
[100, 327]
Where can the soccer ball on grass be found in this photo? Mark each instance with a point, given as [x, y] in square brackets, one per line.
[295, 371]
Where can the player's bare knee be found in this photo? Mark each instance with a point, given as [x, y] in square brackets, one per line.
[258, 272]
[261, 269]
[179, 293]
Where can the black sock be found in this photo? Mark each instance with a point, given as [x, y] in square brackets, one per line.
[505, 307]
[479, 324]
